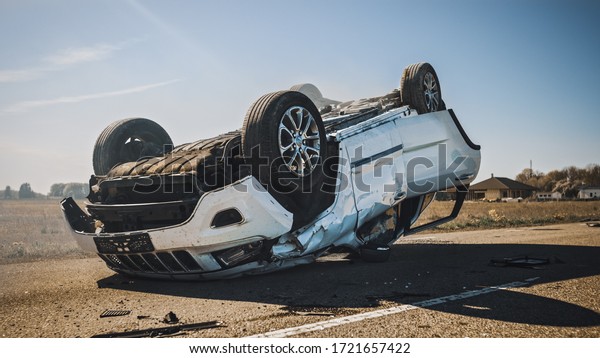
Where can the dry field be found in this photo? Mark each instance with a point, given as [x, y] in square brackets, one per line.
[484, 215]
[32, 230]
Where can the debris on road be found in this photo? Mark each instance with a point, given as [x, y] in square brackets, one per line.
[171, 318]
[161, 331]
[114, 313]
[314, 313]
[593, 224]
[314, 310]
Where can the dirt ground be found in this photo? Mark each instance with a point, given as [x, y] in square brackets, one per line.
[65, 297]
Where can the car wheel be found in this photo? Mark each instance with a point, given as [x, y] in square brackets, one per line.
[442, 106]
[283, 139]
[311, 91]
[375, 253]
[420, 88]
[128, 140]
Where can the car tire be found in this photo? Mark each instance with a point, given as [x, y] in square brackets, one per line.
[442, 106]
[310, 90]
[375, 253]
[420, 88]
[128, 140]
[283, 140]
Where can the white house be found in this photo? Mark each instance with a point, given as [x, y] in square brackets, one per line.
[549, 196]
[589, 193]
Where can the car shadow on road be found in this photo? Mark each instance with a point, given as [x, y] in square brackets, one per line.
[415, 272]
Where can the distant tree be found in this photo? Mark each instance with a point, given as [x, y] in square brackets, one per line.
[573, 173]
[567, 181]
[57, 189]
[25, 191]
[553, 178]
[7, 192]
[530, 177]
[524, 175]
[592, 175]
[75, 190]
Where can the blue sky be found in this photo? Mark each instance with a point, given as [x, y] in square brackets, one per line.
[522, 76]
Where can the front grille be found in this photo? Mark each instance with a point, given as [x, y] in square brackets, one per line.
[168, 259]
[124, 244]
[160, 262]
[141, 263]
[155, 262]
[186, 260]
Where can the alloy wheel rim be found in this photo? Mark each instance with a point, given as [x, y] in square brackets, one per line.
[299, 141]
[432, 92]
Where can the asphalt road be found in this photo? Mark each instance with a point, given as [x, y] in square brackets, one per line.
[434, 285]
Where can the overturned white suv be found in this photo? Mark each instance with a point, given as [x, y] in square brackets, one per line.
[304, 176]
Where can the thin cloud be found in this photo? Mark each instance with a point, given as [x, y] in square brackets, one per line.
[25, 106]
[62, 60]
[8, 76]
[72, 56]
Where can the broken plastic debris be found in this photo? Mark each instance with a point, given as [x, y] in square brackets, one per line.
[114, 313]
[171, 318]
[300, 313]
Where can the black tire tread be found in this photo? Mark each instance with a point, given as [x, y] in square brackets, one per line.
[410, 86]
[260, 137]
[101, 158]
[252, 120]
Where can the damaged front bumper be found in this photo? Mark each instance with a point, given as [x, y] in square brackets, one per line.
[228, 230]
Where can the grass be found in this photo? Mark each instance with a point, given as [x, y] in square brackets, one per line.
[483, 215]
[35, 229]
[32, 230]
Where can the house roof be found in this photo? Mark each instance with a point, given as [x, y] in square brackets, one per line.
[501, 183]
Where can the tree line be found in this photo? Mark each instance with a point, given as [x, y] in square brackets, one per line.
[63, 190]
[24, 192]
[76, 190]
[567, 181]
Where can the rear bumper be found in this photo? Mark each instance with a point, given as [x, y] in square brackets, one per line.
[192, 247]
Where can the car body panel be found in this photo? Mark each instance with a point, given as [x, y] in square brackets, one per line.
[263, 217]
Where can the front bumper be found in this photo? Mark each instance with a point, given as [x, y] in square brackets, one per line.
[191, 248]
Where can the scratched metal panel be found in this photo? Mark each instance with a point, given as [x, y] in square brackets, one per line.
[377, 168]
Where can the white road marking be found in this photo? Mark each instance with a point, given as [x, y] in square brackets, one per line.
[319, 326]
